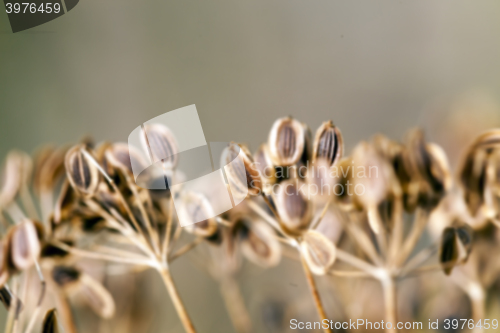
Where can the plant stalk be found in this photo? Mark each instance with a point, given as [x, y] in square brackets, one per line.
[176, 300]
[315, 293]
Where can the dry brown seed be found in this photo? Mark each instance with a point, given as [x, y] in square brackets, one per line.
[328, 143]
[82, 172]
[241, 170]
[264, 164]
[5, 297]
[23, 245]
[449, 250]
[50, 324]
[196, 207]
[16, 172]
[160, 143]
[318, 251]
[65, 275]
[97, 297]
[287, 141]
[294, 209]
[65, 203]
[259, 244]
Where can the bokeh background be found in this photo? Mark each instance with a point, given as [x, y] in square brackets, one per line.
[371, 66]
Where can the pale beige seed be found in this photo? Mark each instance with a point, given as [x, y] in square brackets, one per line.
[161, 145]
[318, 251]
[259, 244]
[4, 270]
[241, 171]
[119, 155]
[96, 296]
[24, 245]
[264, 165]
[15, 174]
[198, 214]
[82, 172]
[328, 143]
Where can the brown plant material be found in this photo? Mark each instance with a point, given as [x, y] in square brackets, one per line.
[241, 171]
[23, 246]
[50, 323]
[16, 172]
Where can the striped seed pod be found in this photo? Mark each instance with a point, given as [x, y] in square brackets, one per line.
[264, 165]
[456, 245]
[23, 245]
[160, 143]
[328, 143]
[82, 171]
[197, 214]
[287, 141]
[318, 251]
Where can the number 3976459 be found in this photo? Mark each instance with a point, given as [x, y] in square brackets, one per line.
[32, 8]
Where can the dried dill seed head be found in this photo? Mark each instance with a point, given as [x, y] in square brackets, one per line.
[16, 172]
[456, 245]
[82, 173]
[241, 171]
[264, 165]
[50, 324]
[23, 245]
[159, 141]
[294, 209]
[328, 143]
[287, 141]
[318, 251]
[195, 209]
[258, 242]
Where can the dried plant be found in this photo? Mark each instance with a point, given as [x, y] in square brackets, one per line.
[387, 212]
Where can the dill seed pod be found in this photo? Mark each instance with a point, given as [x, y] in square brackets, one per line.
[240, 169]
[287, 141]
[23, 245]
[49, 167]
[456, 245]
[197, 215]
[82, 172]
[15, 174]
[328, 143]
[50, 324]
[259, 244]
[264, 165]
[318, 251]
[429, 166]
[160, 143]
[294, 209]
[119, 156]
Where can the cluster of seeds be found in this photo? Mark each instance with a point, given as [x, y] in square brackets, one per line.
[396, 205]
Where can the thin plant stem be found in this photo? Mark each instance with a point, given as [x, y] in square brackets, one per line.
[390, 302]
[186, 248]
[318, 220]
[176, 300]
[413, 238]
[314, 292]
[235, 305]
[168, 230]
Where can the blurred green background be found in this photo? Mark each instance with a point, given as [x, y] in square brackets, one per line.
[371, 66]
